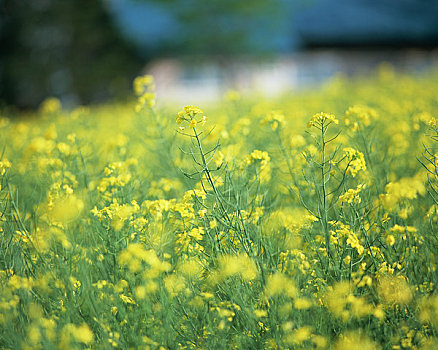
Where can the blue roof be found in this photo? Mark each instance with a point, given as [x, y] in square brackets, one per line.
[350, 22]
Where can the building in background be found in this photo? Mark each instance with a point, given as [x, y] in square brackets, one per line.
[297, 46]
[275, 26]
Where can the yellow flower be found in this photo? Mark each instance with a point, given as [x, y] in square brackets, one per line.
[428, 312]
[263, 159]
[336, 298]
[299, 335]
[274, 119]
[147, 99]
[319, 341]
[190, 115]
[390, 240]
[354, 242]
[127, 300]
[433, 122]
[50, 105]
[356, 160]
[190, 268]
[321, 119]
[394, 290]
[83, 334]
[278, 284]
[352, 195]
[4, 164]
[241, 265]
[302, 303]
[179, 117]
[140, 292]
[142, 84]
[174, 284]
[232, 96]
[144, 88]
[260, 313]
[358, 116]
[405, 188]
[66, 209]
[192, 110]
[355, 340]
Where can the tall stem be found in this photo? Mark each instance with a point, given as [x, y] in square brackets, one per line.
[324, 214]
[210, 180]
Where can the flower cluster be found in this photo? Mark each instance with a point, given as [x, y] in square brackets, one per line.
[192, 115]
[322, 120]
[144, 88]
[275, 119]
[357, 117]
[4, 165]
[356, 160]
[263, 159]
[352, 195]
[50, 105]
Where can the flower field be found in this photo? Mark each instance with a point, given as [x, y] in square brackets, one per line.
[308, 221]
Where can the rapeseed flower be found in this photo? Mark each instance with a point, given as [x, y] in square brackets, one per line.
[321, 120]
[242, 265]
[356, 117]
[275, 119]
[144, 88]
[394, 290]
[50, 105]
[356, 160]
[280, 284]
[352, 195]
[355, 340]
[66, 209]
[4, 165]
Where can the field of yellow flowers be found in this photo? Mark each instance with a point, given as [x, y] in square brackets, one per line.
[308, 221]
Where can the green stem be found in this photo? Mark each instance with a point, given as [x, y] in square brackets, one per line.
[324, 214]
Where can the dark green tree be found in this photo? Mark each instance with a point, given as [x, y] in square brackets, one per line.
[222, 27]
[67, 49]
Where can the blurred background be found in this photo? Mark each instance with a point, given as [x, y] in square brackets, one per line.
[83, 51]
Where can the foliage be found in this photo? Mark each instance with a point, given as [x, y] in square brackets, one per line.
[67, 49]
[224, 27]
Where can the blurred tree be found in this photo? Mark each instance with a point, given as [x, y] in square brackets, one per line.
[222, 27]
[67, 49]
